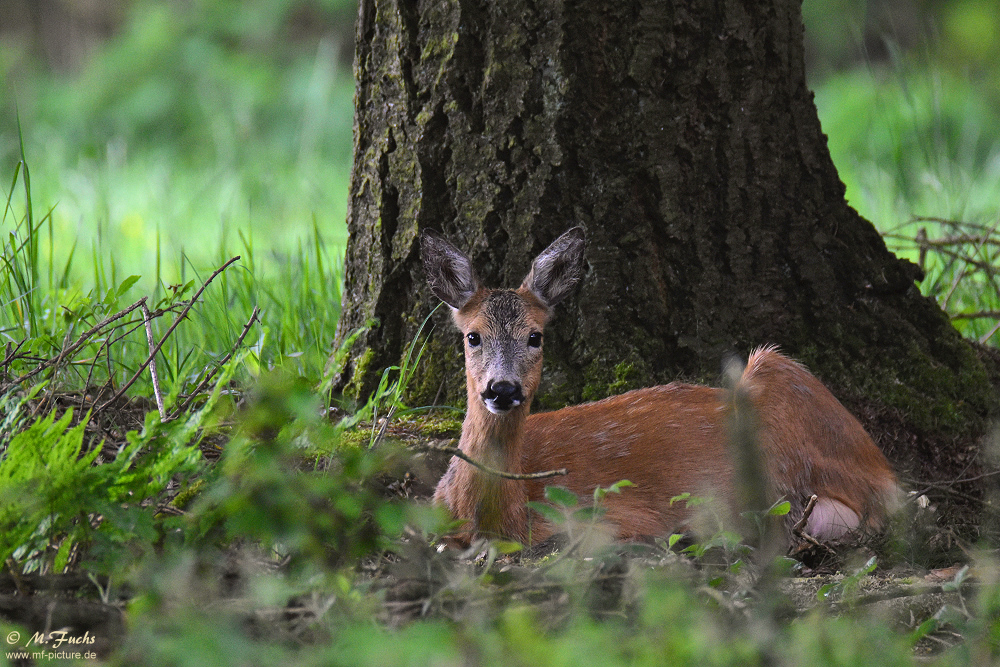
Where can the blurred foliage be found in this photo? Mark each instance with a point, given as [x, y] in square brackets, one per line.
[196, 78]
[963, 35]
[66, 505]
[286, 484]
[195, 123]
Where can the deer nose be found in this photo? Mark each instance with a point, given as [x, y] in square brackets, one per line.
[502, 396]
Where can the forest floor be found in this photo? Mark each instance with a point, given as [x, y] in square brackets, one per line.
[418, 579]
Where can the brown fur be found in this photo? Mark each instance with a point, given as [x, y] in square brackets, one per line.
[668, 440]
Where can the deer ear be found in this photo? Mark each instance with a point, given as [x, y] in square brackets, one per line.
[448, 270]
[556, 271]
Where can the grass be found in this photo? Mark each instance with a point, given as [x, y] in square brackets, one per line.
[916, 146]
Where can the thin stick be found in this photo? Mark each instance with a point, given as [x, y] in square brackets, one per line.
[985, 314]
[77, 344]
[962, 239]
[152, 363]
[11, 352]
[385, 425]
[254, 317]
[806, 513]
[989, 334]
[180, 317]
[798, 528]
[954, 224]
[455, 451]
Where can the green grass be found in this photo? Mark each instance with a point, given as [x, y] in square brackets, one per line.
[184, 142]
[918, 148]
[188, 130]
[46, 306]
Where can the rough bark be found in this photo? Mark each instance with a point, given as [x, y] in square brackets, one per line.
[684, 138]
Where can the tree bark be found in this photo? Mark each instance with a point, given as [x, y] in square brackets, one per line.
[683, 137]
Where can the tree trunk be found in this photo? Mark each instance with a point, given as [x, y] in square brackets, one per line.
[683, 137]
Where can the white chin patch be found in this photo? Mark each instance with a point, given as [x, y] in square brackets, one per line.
[497, 410]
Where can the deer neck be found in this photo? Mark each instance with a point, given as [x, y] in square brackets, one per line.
[495, 505]
[494, 440]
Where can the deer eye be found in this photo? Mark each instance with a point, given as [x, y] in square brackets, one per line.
[535, 339]
[473, 339]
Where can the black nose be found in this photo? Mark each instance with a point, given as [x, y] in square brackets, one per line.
[504, 395]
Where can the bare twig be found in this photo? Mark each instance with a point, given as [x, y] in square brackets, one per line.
[984, 314]
[376, 439]
[986, 267]
[109, 342]
[962, 239]
[989, 334]
[954, 224]
[806, 513]
[799, 530]
[455, 451]
[180, 318]
[254, 317]
[152, 363]
[105, 348]
[80, 341]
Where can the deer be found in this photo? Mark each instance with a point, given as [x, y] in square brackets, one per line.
[666, 440]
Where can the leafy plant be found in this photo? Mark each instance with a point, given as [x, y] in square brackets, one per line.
[563, 510]
[284, 482]
[57, 498]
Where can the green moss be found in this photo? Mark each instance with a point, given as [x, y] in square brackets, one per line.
[184, 498]
[557, 397]
[440, 425]
[358, 438]
[355, 387]
[627, 376]
[602, 381]
[951, 396]
[429, 376]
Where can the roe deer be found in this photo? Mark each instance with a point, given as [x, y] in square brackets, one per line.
[666, 440]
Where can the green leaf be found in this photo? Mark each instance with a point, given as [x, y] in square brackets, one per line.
[127, 284]
[506, 546]
[956, 583]
[601, 491]
[780, 509]
[785, 566]
[561, 496]
[677, 499]
[589, 513]
[924, 629]
[548, 512]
